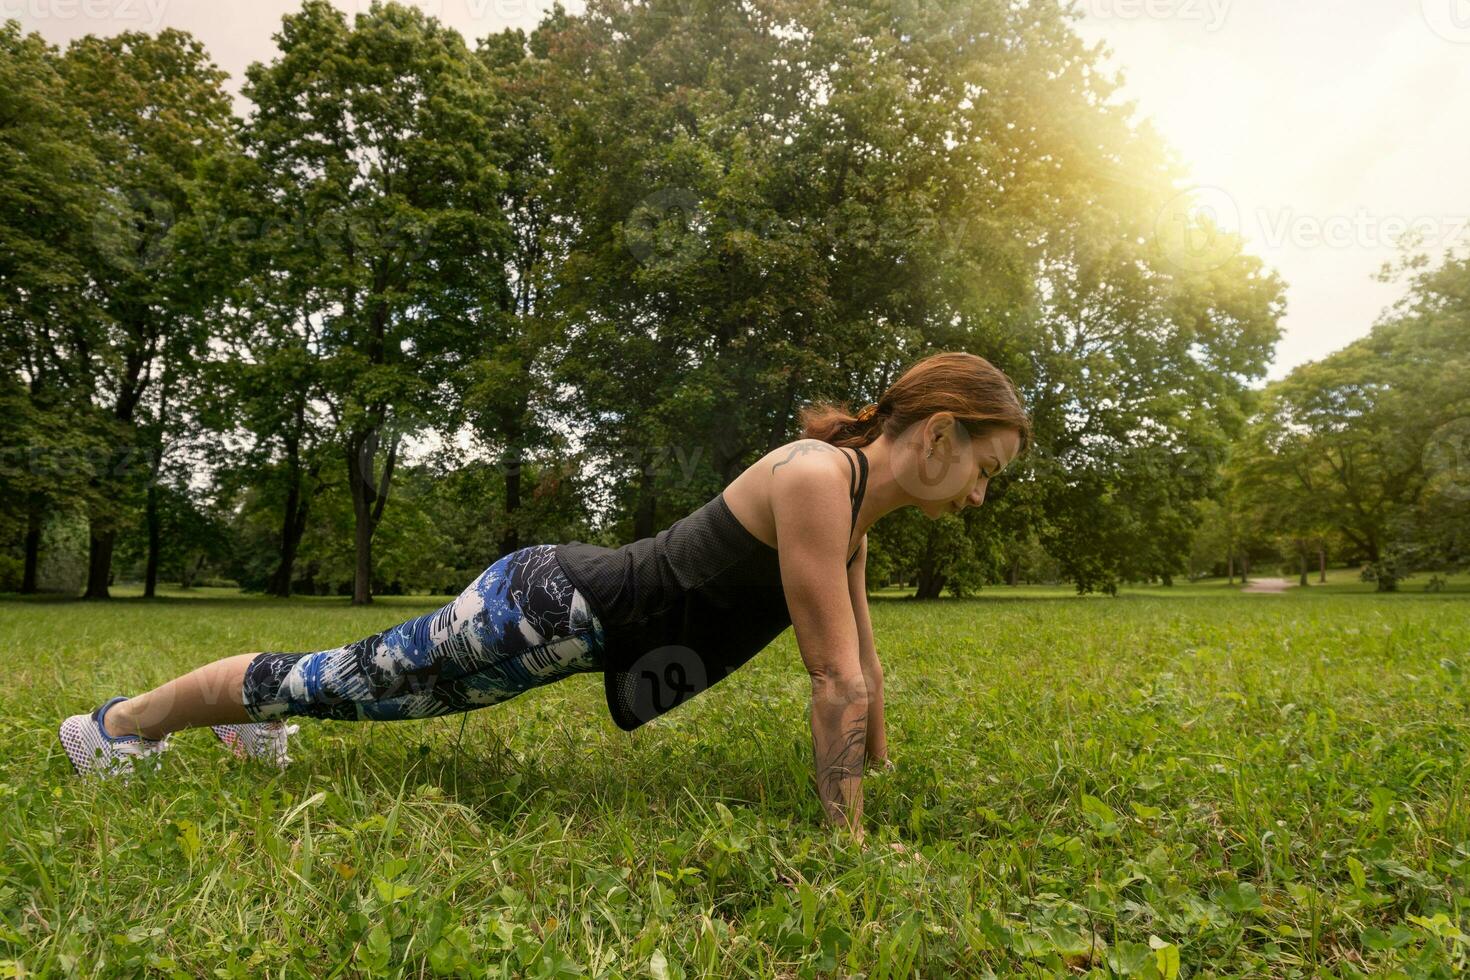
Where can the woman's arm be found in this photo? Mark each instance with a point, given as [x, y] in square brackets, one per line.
[857, 589]
[809, 500]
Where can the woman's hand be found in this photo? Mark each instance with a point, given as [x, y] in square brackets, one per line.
[881, 764]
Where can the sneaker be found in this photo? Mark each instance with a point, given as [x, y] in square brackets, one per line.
[93, 751]
[263, 740]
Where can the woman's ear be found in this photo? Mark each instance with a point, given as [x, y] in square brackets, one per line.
[941, 425]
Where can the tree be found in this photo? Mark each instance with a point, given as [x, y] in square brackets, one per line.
[376, 143]
[1135, 355]
[155, 109]
[740, 246]
[1349, 442]
[507, 392]
[48, 190]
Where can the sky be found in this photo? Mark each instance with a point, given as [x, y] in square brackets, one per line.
[1319, 129]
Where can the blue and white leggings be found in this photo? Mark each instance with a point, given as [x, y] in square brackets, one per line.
[521, 624]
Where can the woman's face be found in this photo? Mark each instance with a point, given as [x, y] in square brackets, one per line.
[961, 466]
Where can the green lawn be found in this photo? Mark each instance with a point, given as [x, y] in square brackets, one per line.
[1186, 780]
[1342, 581]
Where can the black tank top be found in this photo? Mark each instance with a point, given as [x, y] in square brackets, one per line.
[681, 610]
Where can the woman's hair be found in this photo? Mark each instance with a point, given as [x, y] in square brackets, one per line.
[978, 393]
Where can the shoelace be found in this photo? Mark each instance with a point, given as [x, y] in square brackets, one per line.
[281, 740]
[265, 742]
[125, 763]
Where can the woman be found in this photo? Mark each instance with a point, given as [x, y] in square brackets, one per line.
[663, 618]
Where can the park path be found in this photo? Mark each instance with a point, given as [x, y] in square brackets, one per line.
[1268, 586]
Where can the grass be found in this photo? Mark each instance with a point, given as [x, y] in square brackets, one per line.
[1185, 782]
[1340, 581]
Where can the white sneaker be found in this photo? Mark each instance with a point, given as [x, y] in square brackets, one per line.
[94, 752]
[263, 740]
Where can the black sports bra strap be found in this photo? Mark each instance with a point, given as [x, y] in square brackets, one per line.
[860, 485]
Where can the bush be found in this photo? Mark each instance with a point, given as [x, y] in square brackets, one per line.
[12, 570]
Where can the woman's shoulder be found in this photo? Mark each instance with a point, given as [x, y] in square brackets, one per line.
[811, 462]
[807, 462]
[804, 451]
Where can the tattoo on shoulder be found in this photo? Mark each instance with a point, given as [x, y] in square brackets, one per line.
[804, 447]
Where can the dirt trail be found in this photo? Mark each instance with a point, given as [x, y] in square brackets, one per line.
[1268, 586]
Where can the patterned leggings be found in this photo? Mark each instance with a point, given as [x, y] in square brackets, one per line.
[521, 624]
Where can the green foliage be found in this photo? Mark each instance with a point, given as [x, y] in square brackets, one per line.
[638, 224]
[48, 193]
[47, 176]
[1185, 784]
[771, 250]
[376, 170]
[1371, 442]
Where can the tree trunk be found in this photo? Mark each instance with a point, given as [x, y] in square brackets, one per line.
[293, 529]
[99, 562]
[930, 584]
[930, 580]
[293, 519]
[362, 523]
[647, 509]
[154, 521]
[1321, 563]
[1245, 569]
[1015, 576]
[35, 517]
[1387, 581]
[726, 455]
[777, 436]
[155, 542]
[514, 460]
[362, 574]
[279, 583]
[1301, 554]
[190, 573]
[309, 584]
[1230, 568]
[368, 499]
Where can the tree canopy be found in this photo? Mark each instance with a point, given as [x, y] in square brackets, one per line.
[584, 275]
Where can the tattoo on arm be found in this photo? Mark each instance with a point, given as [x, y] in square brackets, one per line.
[843, 761]
[840, 755]
[804, 447]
